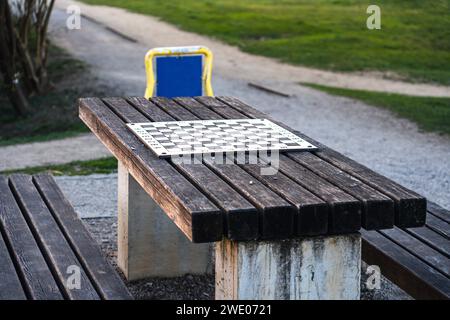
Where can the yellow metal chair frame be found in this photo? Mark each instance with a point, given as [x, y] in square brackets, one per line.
[179, 51]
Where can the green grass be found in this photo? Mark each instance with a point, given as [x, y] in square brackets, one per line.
[414, 41]
[76, 168]
[54, 115]
[431, 114]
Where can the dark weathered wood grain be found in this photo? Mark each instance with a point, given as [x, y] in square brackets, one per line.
[242, 219]
[259, 194]
[416, 277]
[438, 225]
[313, 212]
[51, 240]
[345, 214]
[438, 211]
[32, 268]
[377, 210]
[197, 108]
[172, 108]
[431, 238]
[10, 286]
[419, 249]
[193, 212]
[315, 184]
[221, 108]
[312, 217]
[277, 215]
[410, 208]
[103, 276]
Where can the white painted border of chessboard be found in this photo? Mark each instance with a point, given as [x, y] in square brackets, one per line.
[162, 152]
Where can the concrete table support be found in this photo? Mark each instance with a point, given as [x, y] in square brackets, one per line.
[325, 268]
[149, 243]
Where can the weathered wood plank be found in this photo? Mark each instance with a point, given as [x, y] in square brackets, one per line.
[438, 225]
[277, 215]
[416, 277]
[10, 286]
[431, 238]
[377, 210]
[241, 217]
[149, 243]
[313, 212]
[438, 211]
[36, 276]
[173, 108]
[312, 217]
[345, 214]
[336, 210]
[410, 207]
[103, 276]
[148, 109]
[50, 239]
[419, 249]
[193, 213]
[197, 108]
[221, 108]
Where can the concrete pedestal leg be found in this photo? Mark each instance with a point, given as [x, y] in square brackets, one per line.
[324, 268]
[149, 243]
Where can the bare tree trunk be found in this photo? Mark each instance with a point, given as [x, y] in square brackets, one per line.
[8, 61]
[23, 63]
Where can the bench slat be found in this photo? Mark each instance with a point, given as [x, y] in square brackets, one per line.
[50, 238]
[413, 275]
[438, 225]
[103, 276]
[432, 238]
[438, 211]
[241, 216]
[37, 278]
[10, 286]
[193, 213]
[307, 179]
[410, 208]
[421, 250]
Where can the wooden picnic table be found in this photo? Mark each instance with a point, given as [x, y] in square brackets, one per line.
[320, 194]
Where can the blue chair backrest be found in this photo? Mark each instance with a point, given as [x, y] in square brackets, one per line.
[179, 76]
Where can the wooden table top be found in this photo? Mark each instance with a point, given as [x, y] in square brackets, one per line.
[313, 193]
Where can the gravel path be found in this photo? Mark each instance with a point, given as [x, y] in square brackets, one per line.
[79, 191]
[82, 147]
[372, 136]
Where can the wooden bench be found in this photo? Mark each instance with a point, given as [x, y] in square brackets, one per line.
[282, 236]
[415, 259]
[45, 250]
